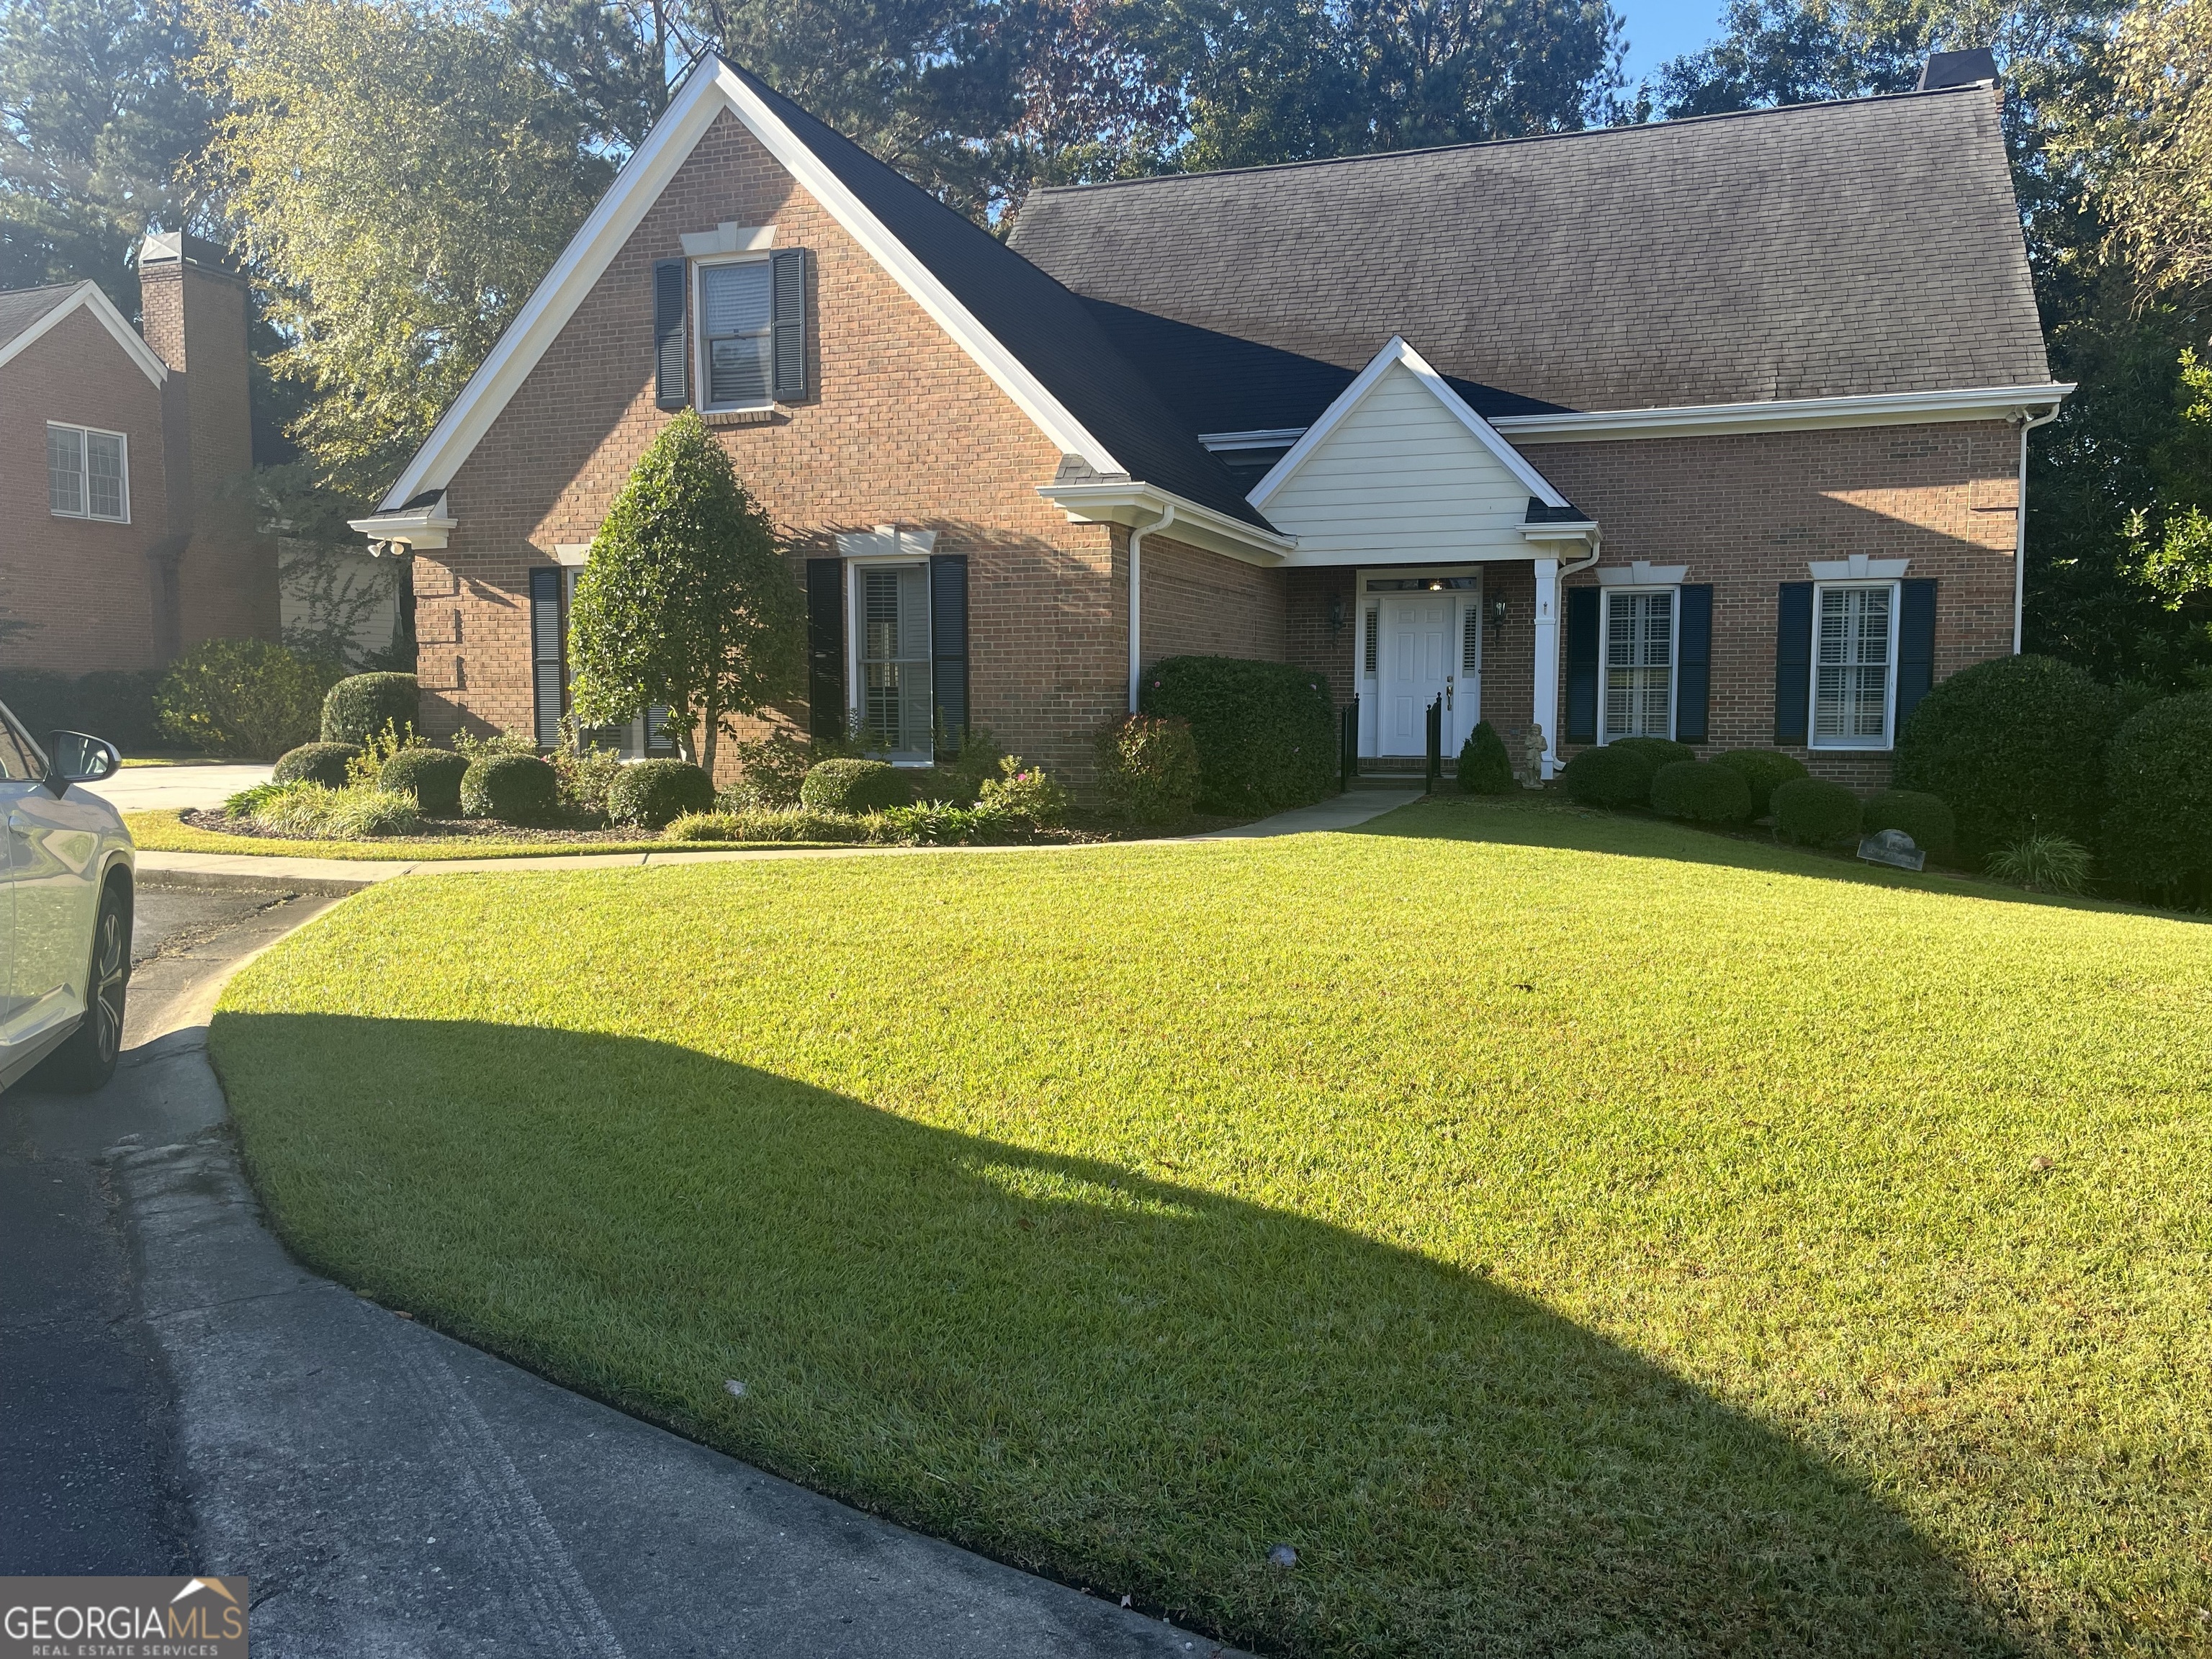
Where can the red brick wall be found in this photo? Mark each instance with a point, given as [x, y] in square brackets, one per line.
[86, 584]
[1202, 604]
[903, 428]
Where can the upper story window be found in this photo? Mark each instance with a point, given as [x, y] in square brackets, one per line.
[88, 473]
[1854, 664]
[736, 330]
[1636, 661]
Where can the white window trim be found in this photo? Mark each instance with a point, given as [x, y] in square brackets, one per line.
[632, 746]
[85, 435]
[1607, 593]
[856, 715]
[698, 278]
[1856, 746]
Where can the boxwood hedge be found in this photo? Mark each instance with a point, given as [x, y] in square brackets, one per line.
[1266, 731]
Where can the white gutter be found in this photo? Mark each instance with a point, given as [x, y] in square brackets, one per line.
[2028, 424]
[1779, 415]
[1136, 610]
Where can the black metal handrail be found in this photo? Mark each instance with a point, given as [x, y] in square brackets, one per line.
[1347, 744]
[1435, 724]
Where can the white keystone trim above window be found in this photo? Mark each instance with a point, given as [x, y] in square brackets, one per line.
[1858, 569]
[572, 554]
[1643, 574]
[885, 542]
[728, 238]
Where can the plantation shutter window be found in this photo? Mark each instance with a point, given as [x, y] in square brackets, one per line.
[948, 647]
[737, 317]
[548, 668]
[1470, 640]
[788, 302]
[1371, 649]
[892, 603]
[825, 649]
[1855, 644]
[1693, 667]
[670, 386]
[1793, 660]
[1638, 700]
[1582, 629]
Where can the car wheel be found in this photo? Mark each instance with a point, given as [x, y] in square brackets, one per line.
[88, 1059]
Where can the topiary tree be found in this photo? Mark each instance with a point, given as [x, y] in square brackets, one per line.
[1484, 766]
[2013, 745]
[433, 776]
[2157, 833]
[512, 788]
[315, 762]
[359, 706]
[684, 603]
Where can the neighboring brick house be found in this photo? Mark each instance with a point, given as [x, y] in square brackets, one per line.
[127, 541]
[1711, 428]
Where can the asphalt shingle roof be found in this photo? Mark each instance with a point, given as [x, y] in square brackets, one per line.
[1827, 250]
[19, 307]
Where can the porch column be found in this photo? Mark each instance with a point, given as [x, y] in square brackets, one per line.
[1546, 703]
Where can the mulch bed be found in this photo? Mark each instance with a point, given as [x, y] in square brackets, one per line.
[489, 830]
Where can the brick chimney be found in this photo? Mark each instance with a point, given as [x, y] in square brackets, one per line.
[219, 580]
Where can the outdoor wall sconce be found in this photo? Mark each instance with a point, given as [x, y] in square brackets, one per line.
[1335, 613]
[1497, 616]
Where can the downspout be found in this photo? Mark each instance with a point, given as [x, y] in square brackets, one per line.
[2019, 527]
[1136, 615]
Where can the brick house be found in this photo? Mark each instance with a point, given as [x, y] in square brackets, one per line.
[1712, 428]
[127, 542]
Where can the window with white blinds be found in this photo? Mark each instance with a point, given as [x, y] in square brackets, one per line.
[1636, 659]
[87, 474]
[1854, 665]
[893, 602]
[737, 315]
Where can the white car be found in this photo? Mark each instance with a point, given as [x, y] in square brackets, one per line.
[65, 930]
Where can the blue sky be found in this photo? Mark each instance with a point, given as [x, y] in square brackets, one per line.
[1660, 29]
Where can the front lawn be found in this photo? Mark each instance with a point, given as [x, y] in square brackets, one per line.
[1570, 1234]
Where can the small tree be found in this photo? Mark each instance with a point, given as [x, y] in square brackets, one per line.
[684, 604]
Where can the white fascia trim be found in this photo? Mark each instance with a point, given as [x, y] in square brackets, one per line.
[1786, 414]
[88, 297]
[1140, 505]
[1264, 438]
[423, 527]
[1397, 351]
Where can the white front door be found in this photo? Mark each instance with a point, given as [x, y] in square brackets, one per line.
[1416, 658]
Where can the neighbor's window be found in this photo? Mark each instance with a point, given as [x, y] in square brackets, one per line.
[1638, 659]
[1854, 658]
[893, 601]
[87, 474]
[736, 347]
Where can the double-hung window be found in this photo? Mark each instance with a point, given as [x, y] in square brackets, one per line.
[737, 328]
[1854, 665]
[1637, 662]
[890, 603]
[88, 473]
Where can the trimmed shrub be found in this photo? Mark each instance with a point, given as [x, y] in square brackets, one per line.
[1701, 792]
[2013, 745]
[2157, 833]
[854, 786]
[1266, 731]
[651, 794]
[1612, 775]
[243, 698]
[1024, 794]
[1815, 812]
[1484, 766]
[433, 776]
[315, 762]
[1148, 767]
[315, 813]
[512, 788]
[1763, 771]
[114, 703]
[1663, 752]
[1922, 817]
[361, 704]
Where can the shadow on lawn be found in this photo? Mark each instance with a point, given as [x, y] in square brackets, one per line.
[1120, 1381]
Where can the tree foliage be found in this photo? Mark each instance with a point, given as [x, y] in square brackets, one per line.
[684, 603]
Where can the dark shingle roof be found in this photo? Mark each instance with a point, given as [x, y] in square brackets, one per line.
[19, 307]
[1047, 328]
[1827, 250]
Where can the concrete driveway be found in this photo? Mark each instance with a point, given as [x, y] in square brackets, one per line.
[151, 788]
[183, 1396]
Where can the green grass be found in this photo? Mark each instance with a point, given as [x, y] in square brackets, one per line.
[1573, 1234]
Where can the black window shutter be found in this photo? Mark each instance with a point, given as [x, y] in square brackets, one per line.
[546, 656]
[789, 303]
[1793, 662]
[1582, 665]
[1915, 646]
[948, 644]
[670, 383]
[825, 649]
[1693, 664]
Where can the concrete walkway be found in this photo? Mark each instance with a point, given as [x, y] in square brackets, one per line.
[1344, 811]
[193, 787]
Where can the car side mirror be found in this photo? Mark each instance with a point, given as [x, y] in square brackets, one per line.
[73, 758]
